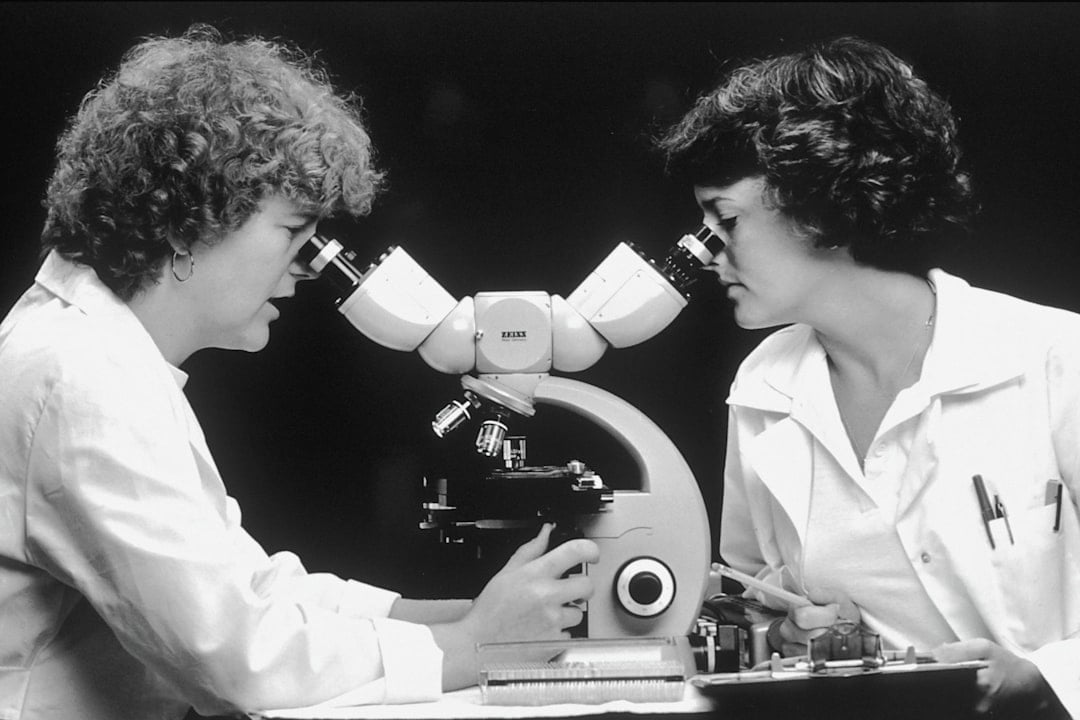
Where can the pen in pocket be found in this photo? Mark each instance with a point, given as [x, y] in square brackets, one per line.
[1054, 492]
[985, 508]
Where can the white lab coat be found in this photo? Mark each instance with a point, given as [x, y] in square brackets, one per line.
[999, 396]
[128, 588]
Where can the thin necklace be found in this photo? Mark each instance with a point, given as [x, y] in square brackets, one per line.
[860, 454]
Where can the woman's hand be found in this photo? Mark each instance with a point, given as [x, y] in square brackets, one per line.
[529, 599]
[1009, 685]
[809, 621]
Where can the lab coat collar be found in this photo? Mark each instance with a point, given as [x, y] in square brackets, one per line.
[79, 285]
[969, 353]
[966, 355]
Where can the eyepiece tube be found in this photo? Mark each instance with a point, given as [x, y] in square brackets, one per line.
[689, 255]
[329, 258]
[710, 240]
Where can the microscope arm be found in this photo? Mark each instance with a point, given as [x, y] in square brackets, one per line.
[634, 544]
[656, 458]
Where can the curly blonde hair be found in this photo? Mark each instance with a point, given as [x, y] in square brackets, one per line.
[186, 138]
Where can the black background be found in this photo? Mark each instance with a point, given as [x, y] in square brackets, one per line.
[516, 138]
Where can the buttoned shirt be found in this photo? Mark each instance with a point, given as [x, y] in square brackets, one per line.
[128, 587]
[998, 396]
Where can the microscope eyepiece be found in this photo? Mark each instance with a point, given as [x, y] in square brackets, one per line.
[329, 258]
[709, 239]
[689, 255]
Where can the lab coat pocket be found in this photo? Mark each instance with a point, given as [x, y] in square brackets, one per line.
[1036, 568]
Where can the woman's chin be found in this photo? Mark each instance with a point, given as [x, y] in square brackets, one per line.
[251, 340]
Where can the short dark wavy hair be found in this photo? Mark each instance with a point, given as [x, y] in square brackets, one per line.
[186, 138]
[852, 145]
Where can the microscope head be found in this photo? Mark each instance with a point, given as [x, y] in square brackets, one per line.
[510, 340]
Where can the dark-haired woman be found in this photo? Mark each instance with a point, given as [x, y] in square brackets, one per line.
[858, 429]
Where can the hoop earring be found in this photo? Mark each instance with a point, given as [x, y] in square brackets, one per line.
[191, 266]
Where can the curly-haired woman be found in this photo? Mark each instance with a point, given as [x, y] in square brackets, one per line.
[184, 187]
[856, 431]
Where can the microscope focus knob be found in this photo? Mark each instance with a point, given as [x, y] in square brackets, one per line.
[645, 587]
